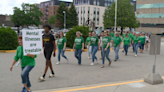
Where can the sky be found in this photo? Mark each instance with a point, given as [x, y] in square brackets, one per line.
[6, 6]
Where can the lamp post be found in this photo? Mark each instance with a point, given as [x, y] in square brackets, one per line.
[115, 16]
[64, 19]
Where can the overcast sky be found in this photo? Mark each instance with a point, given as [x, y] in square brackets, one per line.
[6, 6]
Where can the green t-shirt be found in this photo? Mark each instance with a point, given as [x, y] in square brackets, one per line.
[78, 42]
[142, 39]
[88, 40]
[133, 37]
[124, 35]
[25, 60]
[126, 41]
[61, 42]
[112, 34]
[116, 41]
[136, 39]
[130, 35]
[94, 41]
[105, 41]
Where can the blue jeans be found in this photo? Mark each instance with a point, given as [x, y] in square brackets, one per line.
[126, 48]
[105, 53]
[94, 51]
[142, 46]
[116, 49]
[133, 47]
[78, 55]
[62, 52]
[136, 45]
[25, 75]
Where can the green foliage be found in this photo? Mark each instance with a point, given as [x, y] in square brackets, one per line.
[60, 15]
[125, 15]
[8, 39]
[72, 17]
[71, 35]
[29, 15]
[51, 20]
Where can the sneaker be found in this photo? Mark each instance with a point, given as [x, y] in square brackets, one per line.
[88, 57]
[51, 75]
[29, 91]
[67, 60]
[97, 61]
[58, 63]
[115, 60]
[41, 78]
[24, 89]
[92, 64]
[123, 51]
[135, 55]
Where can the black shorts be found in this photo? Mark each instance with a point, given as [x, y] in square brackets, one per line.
[48, 54]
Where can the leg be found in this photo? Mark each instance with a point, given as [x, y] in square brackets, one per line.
[90, 50]
[136, 48]
[79, 53]
[115, 53]
[124, 48]
[107, 54]
[93, 57]
[59, 51]
[127, 46]
[76, 53]
[117, 50]
[62, 51]
[95, 48]
[103, 55]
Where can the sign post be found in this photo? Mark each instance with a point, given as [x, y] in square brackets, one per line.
[154, 78]
[32, 42]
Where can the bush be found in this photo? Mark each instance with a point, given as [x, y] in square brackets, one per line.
[72, 34]
[8, 39]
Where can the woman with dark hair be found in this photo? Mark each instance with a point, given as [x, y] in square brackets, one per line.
[27, 64]
[87, 43]
[126, 41]
[61, 43]
[95, 46]
[78, 46]
[143, 41]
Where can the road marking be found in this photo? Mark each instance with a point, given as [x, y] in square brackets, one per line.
[86, 88]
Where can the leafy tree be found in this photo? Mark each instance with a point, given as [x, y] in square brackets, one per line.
[107, 23]
[60, 15]
[72, 17]
[125, 15]
[29, 15]
[8, 39]
[71, 35]
[51, 20]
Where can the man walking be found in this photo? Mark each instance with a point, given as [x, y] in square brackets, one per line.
[49, 47]
[117, 42]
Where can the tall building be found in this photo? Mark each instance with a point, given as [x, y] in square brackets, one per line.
[49, 8]
[93, 10]
[150, 13]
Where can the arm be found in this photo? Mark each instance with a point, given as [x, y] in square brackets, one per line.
[89, 44]
[85, 43]
[107, 46]
[74, 46]
[99, 45]
[82, 46]
[13, 65]
[54, 46]
[64, 45]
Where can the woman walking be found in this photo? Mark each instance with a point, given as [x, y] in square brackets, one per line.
[27, 64]
[78, 46]
[87, 44]
[95, 46]
[147, 42]
[136, 41]
[143, 41]
[106, 48]
[126, 41]
[61, 43]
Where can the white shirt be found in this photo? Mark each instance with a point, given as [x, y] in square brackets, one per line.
[147, 38]
[101, 41]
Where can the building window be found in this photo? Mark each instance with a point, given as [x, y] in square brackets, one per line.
[98, 3]
[94, 12]
[81, 19]
[88, 12]
[84, 10]
[88, 1]
[94, 2]
[151, 15]
[144, 6]
[98, 10]
[81, 10]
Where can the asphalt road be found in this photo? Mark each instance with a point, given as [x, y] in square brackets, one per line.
[71, 74]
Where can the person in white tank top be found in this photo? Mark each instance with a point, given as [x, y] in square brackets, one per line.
[147, 42]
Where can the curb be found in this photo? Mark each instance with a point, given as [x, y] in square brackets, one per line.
[13, 51]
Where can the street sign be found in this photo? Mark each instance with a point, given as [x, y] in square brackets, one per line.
[155, 45]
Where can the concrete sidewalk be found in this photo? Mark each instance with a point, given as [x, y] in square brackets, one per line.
[128, 86]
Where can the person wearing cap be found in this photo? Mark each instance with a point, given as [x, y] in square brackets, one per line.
[78, 46]
[117, 42]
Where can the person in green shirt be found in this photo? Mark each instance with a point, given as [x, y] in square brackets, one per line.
[27, 64]
[132, 40]
[78, 46]
[143, 41]
[106, 48]
[136, 41]
[95, 46]
[61, 43]
[112, 34]
[126, 41]
[117, 42]
[123, 36]
[87, 43]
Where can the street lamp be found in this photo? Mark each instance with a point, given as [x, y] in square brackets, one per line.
[115, 16]
[64, 19]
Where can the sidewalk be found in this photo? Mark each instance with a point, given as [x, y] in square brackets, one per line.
[128, 86]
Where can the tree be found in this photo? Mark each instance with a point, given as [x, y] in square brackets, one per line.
[60, 15]
[72, 17]
[72, 34]
[125, 15]
[51, 20]
[29, 15]
[107, 23]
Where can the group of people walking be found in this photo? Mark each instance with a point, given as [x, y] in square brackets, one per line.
[92, 43]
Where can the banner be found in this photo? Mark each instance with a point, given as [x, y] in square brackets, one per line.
[32, 42]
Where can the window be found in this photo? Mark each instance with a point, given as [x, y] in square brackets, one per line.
[94, 2]
[84, 10]
[157, 5]
[152, 25]
[81, 10]
[88, 1]
[88, 12]
[152, 15]
[94, 12]
[98, 3]
[105, 4]
[98, 10]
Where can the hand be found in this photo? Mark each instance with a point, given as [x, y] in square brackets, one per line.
[63, 49]
[54, 54]
[118, 46]
[105, 49]
[99, 48]
[29, 55]
[73, 49]
[54, 51]
[82, 49]
[11, 68]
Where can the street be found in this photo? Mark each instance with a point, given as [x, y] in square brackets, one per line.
[71, 74]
